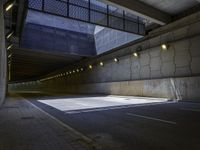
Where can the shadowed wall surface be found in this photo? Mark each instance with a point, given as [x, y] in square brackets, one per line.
[57, 40]
[3, 59]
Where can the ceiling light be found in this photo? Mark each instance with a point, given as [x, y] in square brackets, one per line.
[116, 60]
[81, 69]
[101, 64]
[9, 6]
[77, 70]
[90, 67]
[10, 56]
[10, 46]
[164, 46]
[9, 35]
[135, 54]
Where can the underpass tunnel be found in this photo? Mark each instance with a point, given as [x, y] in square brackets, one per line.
[101, 71]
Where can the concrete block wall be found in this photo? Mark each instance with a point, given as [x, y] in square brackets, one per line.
[182, 59]
[174, 73]
[3, 56]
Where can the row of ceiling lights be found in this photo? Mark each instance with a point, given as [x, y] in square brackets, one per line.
[7, 7]
[116, 60]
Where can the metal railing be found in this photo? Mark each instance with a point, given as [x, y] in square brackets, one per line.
[91, 11]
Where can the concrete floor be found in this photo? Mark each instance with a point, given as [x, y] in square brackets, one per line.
[116, 124]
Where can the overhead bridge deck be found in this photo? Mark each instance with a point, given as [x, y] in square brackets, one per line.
[91, 11]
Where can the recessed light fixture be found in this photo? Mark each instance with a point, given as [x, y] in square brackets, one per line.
[81, 69]
[10, 46]
[135, 54]
[9, 35]
[164, 46]
[77, 70]
[101, 63]
[9, 5]
[116, 60]
[90, 66]
[10, 56]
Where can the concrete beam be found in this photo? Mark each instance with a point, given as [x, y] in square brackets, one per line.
[20, 15]
[141, 9]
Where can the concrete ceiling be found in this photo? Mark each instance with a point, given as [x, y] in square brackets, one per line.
[156, 11]
[172, 7]
[30, 64]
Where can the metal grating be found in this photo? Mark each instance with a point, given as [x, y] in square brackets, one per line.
[35, 4]
[98, 18]
[78, 13]
[55, 7]
[91, 11]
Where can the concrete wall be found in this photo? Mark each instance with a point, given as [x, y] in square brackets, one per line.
[172, 88]
[108, 39]
[187, 88]
[174, 73]
[57, 40]
[3, 60]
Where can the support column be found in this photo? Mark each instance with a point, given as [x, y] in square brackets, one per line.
[3, 57]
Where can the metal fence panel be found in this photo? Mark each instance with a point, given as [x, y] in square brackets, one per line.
[91, 11]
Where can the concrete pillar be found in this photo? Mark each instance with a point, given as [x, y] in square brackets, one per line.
[3, 57]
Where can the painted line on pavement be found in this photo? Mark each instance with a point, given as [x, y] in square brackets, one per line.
[151, 118]
[189, 109]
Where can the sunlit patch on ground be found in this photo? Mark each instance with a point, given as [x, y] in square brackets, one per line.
[86, 104]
